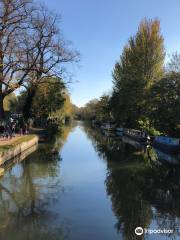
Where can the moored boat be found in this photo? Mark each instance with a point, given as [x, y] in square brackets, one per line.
[108, 126]
[136, 144]
[95, 123]
[167, 143]
[137, 135]
[169, 158]
[119, 132]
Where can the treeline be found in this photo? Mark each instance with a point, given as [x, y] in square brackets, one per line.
[33, 57]
[146, 92]
[96, 109]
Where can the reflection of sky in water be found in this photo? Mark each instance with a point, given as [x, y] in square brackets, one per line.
[81, 166]
[83, 196]
[17, 171]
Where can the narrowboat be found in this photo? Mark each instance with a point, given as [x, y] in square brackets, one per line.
[119, 132]
[108, 126]
[95, 123]
[136, 135]
[169, 158]
[108, 133]
[136, 144]
[167, 144]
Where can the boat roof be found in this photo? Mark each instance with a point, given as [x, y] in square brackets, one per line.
[133, 130]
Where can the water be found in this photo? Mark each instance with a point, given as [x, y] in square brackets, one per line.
[85, 186]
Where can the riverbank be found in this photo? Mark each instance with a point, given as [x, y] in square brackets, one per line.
[14, 147]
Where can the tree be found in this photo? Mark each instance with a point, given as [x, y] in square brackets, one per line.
[48, 98]
[140, 66]
[10, 102]
[31, 47]
[14, 19]
[67, 111]
[165, 104]
[174, 63]
[50, 55]
[103, 113]
[96, 109]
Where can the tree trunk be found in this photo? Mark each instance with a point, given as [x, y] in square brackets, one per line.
[1, 79]
[28, 103]
[2, 115]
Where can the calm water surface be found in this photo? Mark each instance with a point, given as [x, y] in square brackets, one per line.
[85, 186]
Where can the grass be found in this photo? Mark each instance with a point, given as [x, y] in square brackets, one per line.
[15, 142]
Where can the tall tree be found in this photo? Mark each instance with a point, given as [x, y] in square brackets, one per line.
[50, 54]
[48, 99]
[31, 47]
[140, 66]
[14, 19]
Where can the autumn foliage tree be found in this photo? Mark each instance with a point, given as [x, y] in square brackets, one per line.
[50, 54]
[31, 48]
[14, 18]
[48, 98]
[140, 66]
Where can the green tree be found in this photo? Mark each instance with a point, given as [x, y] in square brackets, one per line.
[10, 102]
[48, 98]
[140, 66]
[97, 109]
[89, 111]
[165, 104]
[66, 112]
[103, 109]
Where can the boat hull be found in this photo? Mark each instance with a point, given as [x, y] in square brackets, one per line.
[135, 144]
[136, 138]
[119, 134]
[165, 147]
[170, 158]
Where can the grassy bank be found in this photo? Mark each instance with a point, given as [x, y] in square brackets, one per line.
[8, 144]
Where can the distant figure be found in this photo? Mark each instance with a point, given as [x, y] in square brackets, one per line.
[9, 130]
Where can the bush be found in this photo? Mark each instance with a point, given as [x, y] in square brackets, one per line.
[145, 125]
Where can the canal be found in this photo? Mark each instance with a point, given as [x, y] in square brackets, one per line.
[85, 186]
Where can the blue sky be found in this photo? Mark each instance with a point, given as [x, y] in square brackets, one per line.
[99, 29]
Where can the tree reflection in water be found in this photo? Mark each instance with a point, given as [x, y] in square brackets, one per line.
[28, 193]
[142, 191]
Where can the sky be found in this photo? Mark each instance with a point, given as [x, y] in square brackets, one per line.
[99, 29]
